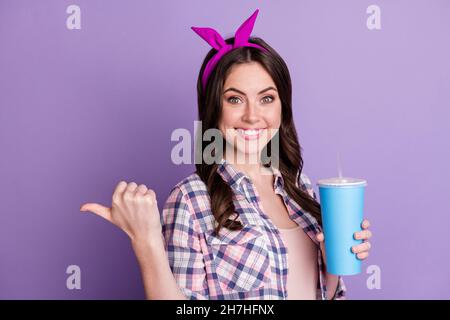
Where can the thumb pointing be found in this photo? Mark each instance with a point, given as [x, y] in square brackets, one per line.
[98, 209]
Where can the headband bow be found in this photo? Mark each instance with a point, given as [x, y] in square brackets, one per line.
[217, 42]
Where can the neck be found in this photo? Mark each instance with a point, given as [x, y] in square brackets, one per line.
[250, 165]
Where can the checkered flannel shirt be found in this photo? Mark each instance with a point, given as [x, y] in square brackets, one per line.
[250, 263]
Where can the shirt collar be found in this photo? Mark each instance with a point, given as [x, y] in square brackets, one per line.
[243, 185]
[240, 182]
[279, 181]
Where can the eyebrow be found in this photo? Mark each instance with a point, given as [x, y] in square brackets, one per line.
[239, 91]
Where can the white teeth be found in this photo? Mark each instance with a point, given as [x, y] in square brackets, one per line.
[249, 132]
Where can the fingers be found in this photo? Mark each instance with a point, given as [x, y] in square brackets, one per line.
[129, 192]
[141, 189]
[98, 209]
[147, 194]
[362, 250]
[131, 188]
[361, 247]
[362, 255]
[363, 235]
[320, 237]
[118, 192]
[150, 195]
[365, 224]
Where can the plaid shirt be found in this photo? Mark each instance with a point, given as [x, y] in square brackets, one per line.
[250, 263]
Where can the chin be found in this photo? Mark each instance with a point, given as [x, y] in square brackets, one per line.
[250, 153]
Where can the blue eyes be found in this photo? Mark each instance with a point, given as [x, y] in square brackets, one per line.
[266, 99]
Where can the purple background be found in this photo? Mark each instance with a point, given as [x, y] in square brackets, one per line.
[82, 109]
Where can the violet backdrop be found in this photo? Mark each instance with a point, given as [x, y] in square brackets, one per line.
[81, 110]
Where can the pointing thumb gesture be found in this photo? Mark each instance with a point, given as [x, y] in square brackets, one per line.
[98, 209]
[134, 209]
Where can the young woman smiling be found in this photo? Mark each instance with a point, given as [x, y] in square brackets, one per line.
[235, 229]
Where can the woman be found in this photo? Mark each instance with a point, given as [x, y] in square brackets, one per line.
[235, 229]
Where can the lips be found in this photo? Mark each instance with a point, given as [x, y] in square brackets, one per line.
[250, 133]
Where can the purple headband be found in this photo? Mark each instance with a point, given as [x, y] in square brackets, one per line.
[216, 41]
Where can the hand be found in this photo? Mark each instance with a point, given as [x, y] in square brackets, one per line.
[361, 250]
[134, 210]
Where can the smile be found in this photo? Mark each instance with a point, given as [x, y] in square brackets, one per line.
[250, 134]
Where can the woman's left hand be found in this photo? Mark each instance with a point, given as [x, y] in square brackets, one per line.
[361, 250]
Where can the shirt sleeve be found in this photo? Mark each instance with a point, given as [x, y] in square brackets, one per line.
[341, 290]
[183, 246]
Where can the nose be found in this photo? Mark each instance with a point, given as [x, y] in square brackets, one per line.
[251, 114]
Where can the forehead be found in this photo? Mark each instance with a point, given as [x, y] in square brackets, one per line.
[248, 77]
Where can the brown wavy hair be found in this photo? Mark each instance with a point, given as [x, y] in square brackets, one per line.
[289, 159]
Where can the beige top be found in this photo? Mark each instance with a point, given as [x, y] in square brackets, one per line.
[303, 273]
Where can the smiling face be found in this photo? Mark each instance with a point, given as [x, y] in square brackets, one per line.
[251, 110]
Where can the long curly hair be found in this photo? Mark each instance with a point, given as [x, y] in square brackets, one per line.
[289, 158]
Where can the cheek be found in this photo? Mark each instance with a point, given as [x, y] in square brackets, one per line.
[229, 119]
[273, 117]
[226, 122]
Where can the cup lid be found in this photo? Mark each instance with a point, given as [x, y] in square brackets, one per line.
[342, 182]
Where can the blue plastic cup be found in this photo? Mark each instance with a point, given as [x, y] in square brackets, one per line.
[342, 204]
